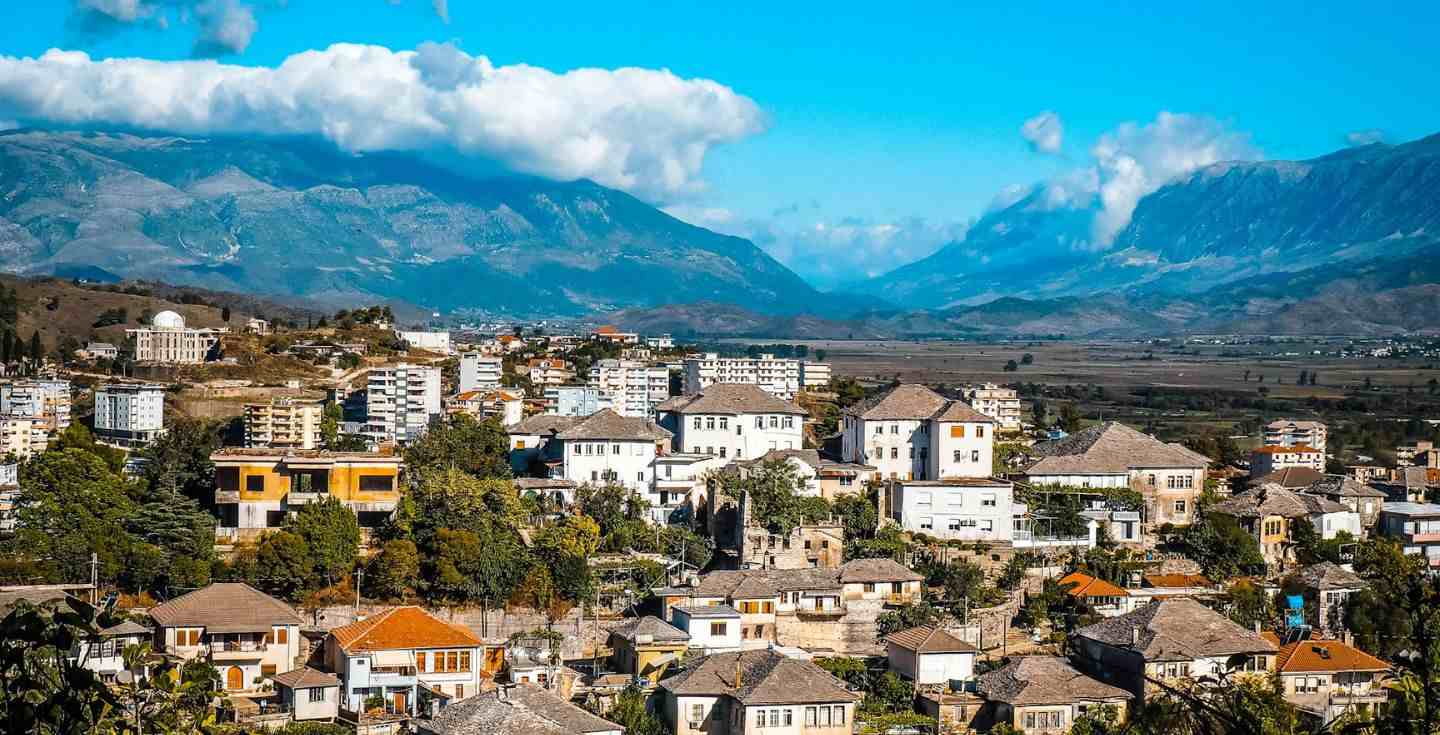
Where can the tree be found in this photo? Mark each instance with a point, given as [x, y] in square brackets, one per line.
[467, 567]
[1011, 366]
[37, 350]
[1222, 547]
[629, 712]
[1069, 418]
[76, 436]
[393, 573]
[282, 565]
[72, 506]
[175, 532]
[43, 690]
[451, 498]
[907, 617]
[858, 514]
[1027, 359]
[619, 512]
[773, 491]
[332, 534]
[888, 693]
[179, 460]
[480, 448]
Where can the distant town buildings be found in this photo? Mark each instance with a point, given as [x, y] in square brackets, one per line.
[634, 388]
[45, 400]
[21, 436]
[429, 341]
[997, 402]
[778, 377]
[129, 414]
[101, 351]
[1274, 457]
[401, 401]
[814, 375]
[1292, 433]
[284, 423]
[577, 400]
[168, 341]
[545, 371]
[506, 405]
[479, 372]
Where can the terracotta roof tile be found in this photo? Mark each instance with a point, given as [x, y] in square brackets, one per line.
[1085, 585]
[402, 628]
[1323, 655]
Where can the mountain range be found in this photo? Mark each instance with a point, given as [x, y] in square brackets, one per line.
[1344, 243]
[299, 218]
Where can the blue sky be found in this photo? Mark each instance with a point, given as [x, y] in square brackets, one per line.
[883, 128]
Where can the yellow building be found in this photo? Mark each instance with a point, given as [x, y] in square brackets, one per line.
[256, 489]
[648, 647]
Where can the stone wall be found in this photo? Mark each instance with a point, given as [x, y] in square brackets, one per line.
[853, 634]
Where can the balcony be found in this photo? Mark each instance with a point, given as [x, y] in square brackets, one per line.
[902, 598]
[824, 613]
[236, 650]
[227, 496]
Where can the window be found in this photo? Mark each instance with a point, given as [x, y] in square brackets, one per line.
[980, 432]
[464, 660]
[839, 714]
[959, 456]
[911, 451]
[255, 484]
[722, 452]
[894, 453]
[452, 660]
[280, 635]
[927, 522]
[954, 524]
[1170, 482]
[594, 476]
[710, 451]
[227, 478]
[957, 431]
[975, 455]
[1150, 479]
[724, 422]
[519, 443]
[697, 712]
[316, 694]
[459, 691]
[187, 636]
[789, 718]
[987, 500]
[1180, 507]
[107, 648]
[774, 422]
[824, 717]
[421, 658]
[267, 669]
[809, 716]
[717, 629]
[879, 429]
[709, 422]
[640, 476]
[869, 586]
[697, 422]
[614, 448]
[894, 428]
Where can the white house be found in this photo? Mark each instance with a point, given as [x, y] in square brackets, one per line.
[958, 508]
[609, 448]
[712, 628]
[309, 695]
[758, 692]
[531, 440]
[577, 400]
[679, 485]
[105, 654]
[1274, 457]
[429, 341]
[732, 421]
[929, 655]
[914, 433]
[246, 634]
[391, 654]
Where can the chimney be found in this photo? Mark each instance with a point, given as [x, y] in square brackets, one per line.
[737, 671]
[1134, 637]
[1257, 627]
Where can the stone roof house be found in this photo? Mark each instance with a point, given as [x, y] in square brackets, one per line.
[749, 691]
[517, 710]
[1045, 694]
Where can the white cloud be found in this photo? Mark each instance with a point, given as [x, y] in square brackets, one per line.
[643, 130]
[1044, 131]
[1364, 137]
[1134, 160]
[442, 9]
[832, 253]
[226, 26]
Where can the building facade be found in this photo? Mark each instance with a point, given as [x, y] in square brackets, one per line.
[607, 448]
[1275, 457]
[45, 400]
[401, 401]
[957, 508]
[732, 421]
[428, 341]
[914, 433]
[247, 635]
[129, 414]
[1292, 433]
[776, 376]
[480, 372]
[257, 489]
[633, 388]
[997, 402]
[168, 341]
[292, 423]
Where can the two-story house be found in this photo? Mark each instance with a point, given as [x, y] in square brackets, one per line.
[647, 647]
[914, 433]
[732, 421]
[257, 488]
[1112, 455]
[607, 448]
[712, 628]
[1045, 694]
[104, 654]
[246, 634]
[1360, 498]
[1270, 513]
[1329, 586]
[391, 654]
[955, 508]
[520, 709]
[1328, 679]
[1416, 526]
[880, 579]
[1169, 639]
[756, 693]
[533, 450]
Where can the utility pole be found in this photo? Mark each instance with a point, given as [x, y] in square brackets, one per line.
[94, 575]
[359, 579]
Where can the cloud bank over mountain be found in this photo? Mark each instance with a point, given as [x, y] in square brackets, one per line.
[644, 131]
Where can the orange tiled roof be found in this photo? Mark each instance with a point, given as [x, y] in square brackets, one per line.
[1088, 586]
[1316, 656]
[1178, 580]
[402, 628]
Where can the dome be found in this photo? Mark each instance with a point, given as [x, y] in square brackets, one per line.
[167, 320]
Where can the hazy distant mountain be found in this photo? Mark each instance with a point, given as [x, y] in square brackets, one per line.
[300, 218]
[1219, 224]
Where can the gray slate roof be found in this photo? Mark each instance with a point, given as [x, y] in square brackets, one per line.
[911, 402]
[730, 399]
[306, 678]
[1343, 486]
[1290, 477]
[1273, 500]
[1177, 629]
[226, 607]
[1044, 680]
[545, 423]
[525, 710]
[1110, 448]
[607, 424]
[724, 583]
[658, 630]
[765, 677]
[876, 570]
[1329, 575]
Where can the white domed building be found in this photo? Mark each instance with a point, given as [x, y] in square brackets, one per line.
[168, 341]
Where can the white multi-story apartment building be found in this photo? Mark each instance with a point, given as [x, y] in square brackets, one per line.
[914, 433]
[46, 400]
[401, 402]
[129, 414]
[577, 400]
[9, 495]
[549, 371]
[168, 341]
[21, 436]
[429, 341]
[635, 388]
[479, 372]
[778, 377]
[284, 422]
[608, 448]
[733, 421]
[997, 402]
[961, 508]
[814, 375]
[660, 342]
[1290, 433]
[1275, 457]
